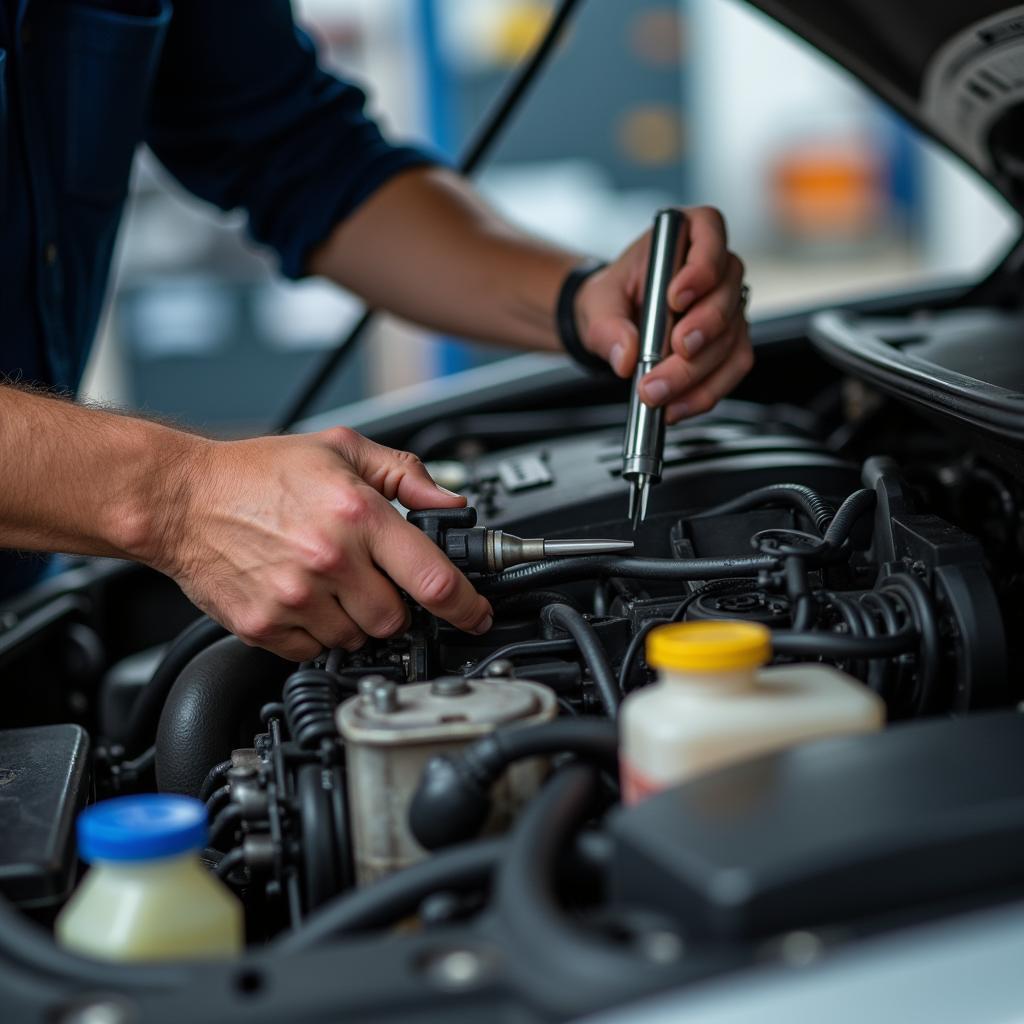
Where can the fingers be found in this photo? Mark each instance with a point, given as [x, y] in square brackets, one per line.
[706, 258]
[707, 393]
[331, 626]
[677, 374]
[713, 316]
[418, 566]
[372, 602]
[393, 473]
[290, 642]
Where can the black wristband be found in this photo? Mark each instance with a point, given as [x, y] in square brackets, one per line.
[565, 318]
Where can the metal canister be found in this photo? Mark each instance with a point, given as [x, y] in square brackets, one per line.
[390, 733]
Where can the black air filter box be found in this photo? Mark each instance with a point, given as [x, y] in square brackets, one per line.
[833, 831]
[44, 775]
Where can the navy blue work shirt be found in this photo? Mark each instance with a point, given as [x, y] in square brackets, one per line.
[229, 96]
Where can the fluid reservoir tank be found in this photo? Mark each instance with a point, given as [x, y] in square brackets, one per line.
[390, 733]
[714, 705]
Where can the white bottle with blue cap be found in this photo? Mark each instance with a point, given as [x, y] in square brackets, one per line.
[147, 896]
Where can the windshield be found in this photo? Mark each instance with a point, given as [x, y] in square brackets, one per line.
[828, 194]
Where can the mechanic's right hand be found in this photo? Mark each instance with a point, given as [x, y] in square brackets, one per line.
[293, 545]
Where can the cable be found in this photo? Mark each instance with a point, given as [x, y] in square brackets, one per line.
[218, 800]
[589, 567]
[803, 499]
[213, 779]
[592, 651]
[520, 648]
[477, 149]
[232, 859]
[461, 869]
[837, 645]
[224, 825]
[145, 715]
[453, 799]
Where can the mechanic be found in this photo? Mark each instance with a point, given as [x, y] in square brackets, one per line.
[288, 541]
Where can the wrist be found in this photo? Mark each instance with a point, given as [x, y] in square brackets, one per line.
[571, 319]
[164, 498]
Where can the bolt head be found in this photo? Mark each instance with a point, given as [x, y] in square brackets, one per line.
[503, 668]
[385, 698]
[370, 683]
[450, 686]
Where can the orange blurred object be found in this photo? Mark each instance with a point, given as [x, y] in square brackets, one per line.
[824, 191]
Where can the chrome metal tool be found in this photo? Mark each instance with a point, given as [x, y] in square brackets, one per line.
[644, 444]
[478, 549]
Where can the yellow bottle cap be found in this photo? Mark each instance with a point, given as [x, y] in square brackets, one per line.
[718, 645]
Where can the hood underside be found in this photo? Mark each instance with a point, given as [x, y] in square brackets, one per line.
[953, 67]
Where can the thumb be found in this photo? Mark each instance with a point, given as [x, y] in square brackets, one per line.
[614, 337]
[394, 473]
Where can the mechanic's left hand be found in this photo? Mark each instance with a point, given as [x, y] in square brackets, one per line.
[711, 351]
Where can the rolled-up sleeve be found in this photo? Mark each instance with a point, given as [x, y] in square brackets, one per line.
[243, 116]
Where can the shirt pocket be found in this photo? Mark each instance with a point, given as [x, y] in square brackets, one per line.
[112, 61]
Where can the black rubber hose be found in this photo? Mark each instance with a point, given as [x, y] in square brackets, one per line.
[212, 709]
[229, 862]
[836, 645]
[593, 567]
[592, 651]
[453, 799]
[145, 714]
[460, 869]
[474, 154]
[799, 593]
[796, 496]
[525, 895]
[218, 800]
[214, 779]
[224, 825]
[856, 505]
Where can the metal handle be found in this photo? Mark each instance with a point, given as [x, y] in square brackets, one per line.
[645, 427]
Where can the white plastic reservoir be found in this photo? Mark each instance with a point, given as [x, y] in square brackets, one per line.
[147, 896]
[714, 704]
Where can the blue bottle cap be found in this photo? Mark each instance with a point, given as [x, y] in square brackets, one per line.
[136, 828]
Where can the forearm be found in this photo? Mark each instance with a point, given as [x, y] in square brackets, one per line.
[427, 248]
[85, 481]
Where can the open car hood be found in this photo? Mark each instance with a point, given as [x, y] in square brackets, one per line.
[953, 67]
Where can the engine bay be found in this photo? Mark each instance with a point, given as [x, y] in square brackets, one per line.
[449, 804]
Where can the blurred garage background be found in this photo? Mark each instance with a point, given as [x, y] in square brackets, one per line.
[827, 194]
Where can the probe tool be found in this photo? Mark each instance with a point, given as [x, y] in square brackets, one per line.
[644, 444]
[478, 549]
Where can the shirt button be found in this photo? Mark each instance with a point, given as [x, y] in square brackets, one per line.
[50, 254]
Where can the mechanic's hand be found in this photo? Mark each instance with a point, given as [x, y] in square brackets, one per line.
[711, 350]
[291, 543]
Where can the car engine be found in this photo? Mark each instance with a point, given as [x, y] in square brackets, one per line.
[471, 782]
